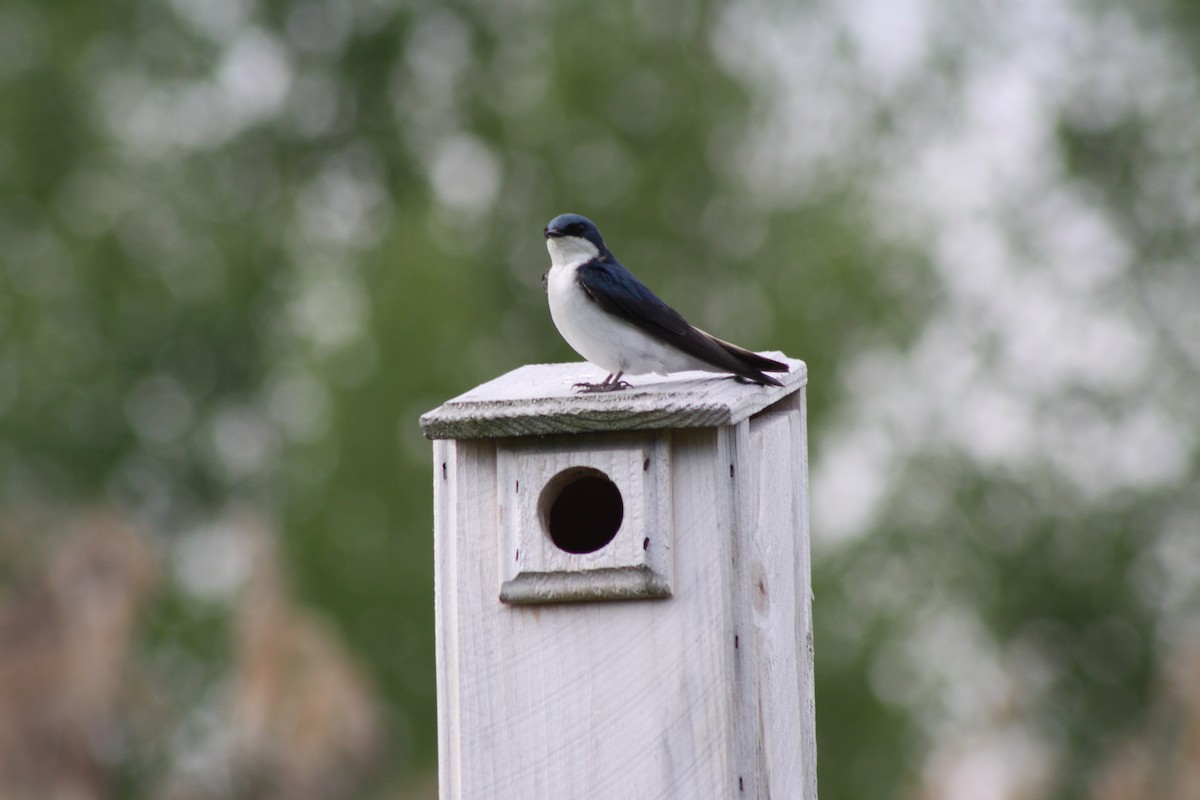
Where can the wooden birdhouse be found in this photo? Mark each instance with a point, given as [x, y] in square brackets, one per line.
[622, 589]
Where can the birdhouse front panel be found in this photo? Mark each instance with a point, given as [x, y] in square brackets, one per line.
[584, 517]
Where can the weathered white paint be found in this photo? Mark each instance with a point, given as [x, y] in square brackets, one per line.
[703, 694]
[637, 563]
[539, 399]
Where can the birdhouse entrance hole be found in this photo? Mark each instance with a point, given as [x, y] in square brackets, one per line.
[581, 510]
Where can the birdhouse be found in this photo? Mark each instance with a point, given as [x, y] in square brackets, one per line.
[622, 588]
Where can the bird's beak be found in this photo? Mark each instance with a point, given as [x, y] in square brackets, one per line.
[549, 234]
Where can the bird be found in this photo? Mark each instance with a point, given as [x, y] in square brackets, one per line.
[610, 318]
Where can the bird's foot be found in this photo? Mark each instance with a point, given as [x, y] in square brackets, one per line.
[606, 386]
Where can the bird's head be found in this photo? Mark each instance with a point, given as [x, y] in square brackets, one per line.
[572, 239]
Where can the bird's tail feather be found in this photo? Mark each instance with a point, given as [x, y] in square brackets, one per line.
[755, 365]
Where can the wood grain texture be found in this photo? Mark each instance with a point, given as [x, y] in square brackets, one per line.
[703, 694]
[539, 399]
[636, 563]
[779, 599]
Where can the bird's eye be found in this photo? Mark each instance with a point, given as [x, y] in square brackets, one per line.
[576, 228]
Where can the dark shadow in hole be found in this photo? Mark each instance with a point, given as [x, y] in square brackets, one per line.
[581, 510]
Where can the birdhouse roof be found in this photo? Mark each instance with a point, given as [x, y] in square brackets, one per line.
[540, 399]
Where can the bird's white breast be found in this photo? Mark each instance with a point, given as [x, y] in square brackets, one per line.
[601, 338]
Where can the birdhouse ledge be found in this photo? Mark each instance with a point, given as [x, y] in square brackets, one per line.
[540, 399]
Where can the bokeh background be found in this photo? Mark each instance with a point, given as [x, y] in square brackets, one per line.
[245, 243]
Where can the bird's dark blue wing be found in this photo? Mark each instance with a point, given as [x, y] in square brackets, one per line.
[621, 294]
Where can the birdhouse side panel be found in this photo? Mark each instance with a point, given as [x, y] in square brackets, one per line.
[779, 595]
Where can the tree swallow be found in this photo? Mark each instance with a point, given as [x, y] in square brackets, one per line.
[611, 319]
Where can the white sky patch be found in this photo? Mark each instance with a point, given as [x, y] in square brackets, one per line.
[330, 310]
[212, 561]
[1101, 453]
[1165, 576]
[216, 19]
[346, 203]
[1004, 764]
[438, 53]
[424, 85]
[243, 444]
[1079, 238]
[465, 174]
[300, 405]
[890, 37]
[254, 75]
[848, 489]
[810, 114]
[996, 425]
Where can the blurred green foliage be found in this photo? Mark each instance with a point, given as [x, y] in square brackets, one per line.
[245, 244]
